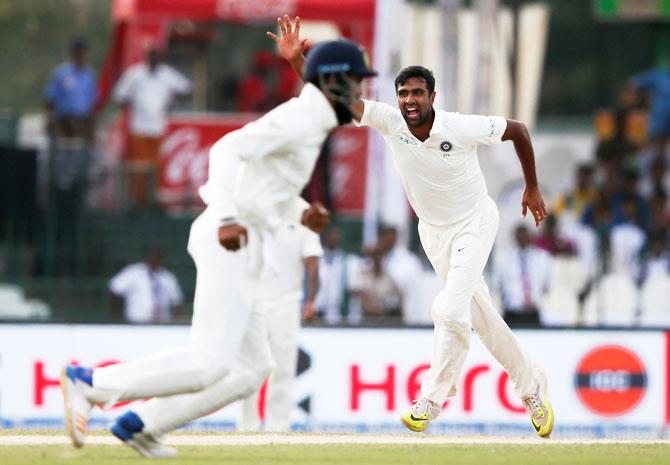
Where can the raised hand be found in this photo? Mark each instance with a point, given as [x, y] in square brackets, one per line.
[290, 45]
[532, 200]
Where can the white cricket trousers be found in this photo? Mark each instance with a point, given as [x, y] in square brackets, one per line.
[459, 253]
[228, 356]
[283, 328]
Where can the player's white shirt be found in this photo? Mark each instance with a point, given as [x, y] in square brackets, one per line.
[150, 95]
[256, 173]
[282, 283]
[146, 293]
[442, 177]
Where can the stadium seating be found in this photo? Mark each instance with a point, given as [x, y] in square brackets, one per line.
[613, 302]
[560, 306]
[655, 302]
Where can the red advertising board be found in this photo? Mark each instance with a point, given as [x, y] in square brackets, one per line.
[184, 160]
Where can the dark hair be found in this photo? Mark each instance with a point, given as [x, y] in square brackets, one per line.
[416, 72]
[78, 44]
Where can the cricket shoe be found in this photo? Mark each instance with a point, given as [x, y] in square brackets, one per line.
[420, 414]
[129, 429]
[538, 407]
[74, 381]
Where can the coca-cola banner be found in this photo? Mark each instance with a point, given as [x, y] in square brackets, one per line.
[184, 161]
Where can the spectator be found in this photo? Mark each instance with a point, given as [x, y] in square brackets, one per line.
[551, 241]
[660, 212]
[379, 293]
[618, 151]
[338, 272]
[403, 266]
[71, 96]
[149, 89]
[252, 93]
[600, 217]
[626, 241]
[151, 294]
[657, 181]
[657, 258]
[574, 202]
[521, 274]
[635, 203]
[655, 84]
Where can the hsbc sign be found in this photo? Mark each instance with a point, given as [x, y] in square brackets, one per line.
[357, 378]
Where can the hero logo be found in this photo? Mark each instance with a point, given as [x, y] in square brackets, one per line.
[610, 380]
[360, 385]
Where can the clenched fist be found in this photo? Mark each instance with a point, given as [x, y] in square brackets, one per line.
[232, 236]
[316, 217]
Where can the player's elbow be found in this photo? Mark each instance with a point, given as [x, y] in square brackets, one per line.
[516, 131]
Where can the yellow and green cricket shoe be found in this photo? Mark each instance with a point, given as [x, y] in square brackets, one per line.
[540, 411]
[420, 414]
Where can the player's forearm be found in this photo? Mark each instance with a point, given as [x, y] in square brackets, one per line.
[312, 267]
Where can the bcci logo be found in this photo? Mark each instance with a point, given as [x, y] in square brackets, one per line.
[446, 146]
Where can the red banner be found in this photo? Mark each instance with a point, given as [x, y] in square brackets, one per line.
[184, 161]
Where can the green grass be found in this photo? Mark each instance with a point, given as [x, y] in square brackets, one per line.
[540, 454]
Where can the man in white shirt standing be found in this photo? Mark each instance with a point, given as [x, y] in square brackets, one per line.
[256, 175]
[149, 89]
[521, 274]
[435, 153]
[289, 277]
[149, 293]
[338, 272]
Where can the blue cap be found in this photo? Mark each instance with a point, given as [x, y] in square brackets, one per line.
[337, 56]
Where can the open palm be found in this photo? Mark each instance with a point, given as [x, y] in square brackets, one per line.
[290, 45]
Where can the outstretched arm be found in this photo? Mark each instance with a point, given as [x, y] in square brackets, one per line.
[531, 200]
[292, 49]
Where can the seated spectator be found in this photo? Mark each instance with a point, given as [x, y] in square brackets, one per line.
[403, 266]
[599, 216]
[659, 212]
[551, 241]
[626, 242]
[636, 204]
[574, 202]
[380, 295]
[657, 180]
[151, 294]
[337, 278]
[521, 274]
[657, 259]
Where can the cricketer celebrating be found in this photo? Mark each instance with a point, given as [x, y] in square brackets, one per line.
[435, 153]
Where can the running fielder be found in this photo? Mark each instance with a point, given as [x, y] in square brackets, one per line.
[296, 252]
[435, 153]
[256, 175]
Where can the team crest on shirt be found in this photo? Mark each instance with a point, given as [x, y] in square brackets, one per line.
[446, 146]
